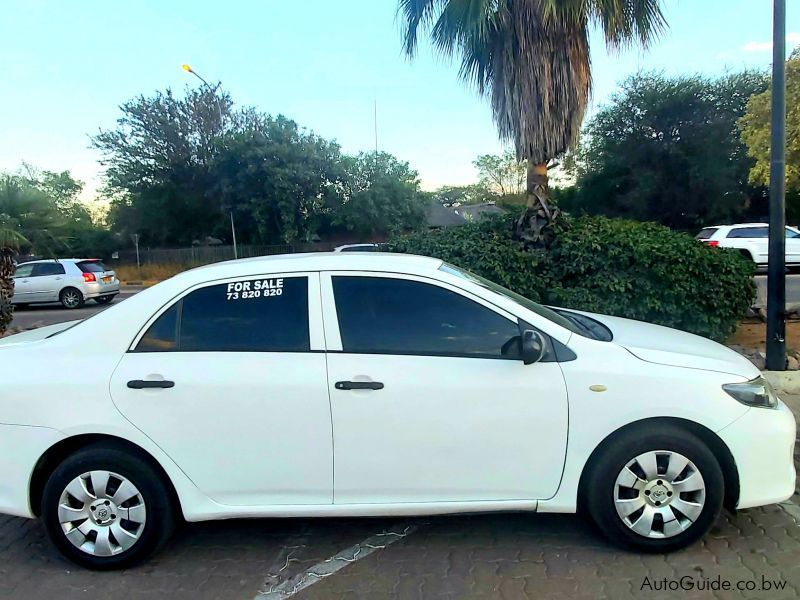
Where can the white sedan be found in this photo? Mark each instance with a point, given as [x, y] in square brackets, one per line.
[374, 385]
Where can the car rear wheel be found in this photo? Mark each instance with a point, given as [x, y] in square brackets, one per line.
[105, 508]
[657, 490]
[71, 298]
[104, 299]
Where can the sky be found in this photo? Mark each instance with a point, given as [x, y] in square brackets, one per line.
[66, 67]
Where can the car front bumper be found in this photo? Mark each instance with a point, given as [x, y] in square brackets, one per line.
[762, 443]
[21, 447]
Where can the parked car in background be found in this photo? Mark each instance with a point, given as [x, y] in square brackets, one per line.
[378, 384]
[70, 281]
[357, 248]
[752, 240]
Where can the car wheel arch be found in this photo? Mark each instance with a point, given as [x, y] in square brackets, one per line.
[715, 444]
[59, 451]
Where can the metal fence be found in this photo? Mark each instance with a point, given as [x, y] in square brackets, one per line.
[204, 255]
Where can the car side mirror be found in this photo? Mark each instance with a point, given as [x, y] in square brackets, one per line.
[533, 346]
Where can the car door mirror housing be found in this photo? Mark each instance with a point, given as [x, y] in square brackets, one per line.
[533, 346]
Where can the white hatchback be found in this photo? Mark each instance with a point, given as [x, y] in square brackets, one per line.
[373, 385]
[752, 240]
[70, 281]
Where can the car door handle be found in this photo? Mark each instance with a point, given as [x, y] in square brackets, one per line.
[358, 385]
[141, 384]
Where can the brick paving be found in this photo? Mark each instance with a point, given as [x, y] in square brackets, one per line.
[489, 556]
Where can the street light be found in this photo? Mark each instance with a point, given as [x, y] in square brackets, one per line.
[213, 91]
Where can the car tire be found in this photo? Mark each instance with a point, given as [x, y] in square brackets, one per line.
[644, 491]
[116, 527]
[71, 298]
[105, 299]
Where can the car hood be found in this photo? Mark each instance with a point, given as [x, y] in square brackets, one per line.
[666, 346]
[34, 335]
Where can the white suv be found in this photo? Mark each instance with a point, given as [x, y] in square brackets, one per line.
[70, 281]
[752, 240]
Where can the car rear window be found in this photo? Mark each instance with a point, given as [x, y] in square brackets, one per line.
[92, 266]
[706, 233]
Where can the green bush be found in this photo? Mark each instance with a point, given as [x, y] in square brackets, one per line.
[625, 268]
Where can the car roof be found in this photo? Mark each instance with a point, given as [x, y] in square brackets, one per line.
[315, 261]
[60, 260]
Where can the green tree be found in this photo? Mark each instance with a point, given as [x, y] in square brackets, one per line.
[276, 178]
[157, 164]
[380, 195]
[531, 58]
[668, 149]
[756, 129]
[503, 174]
[475, 193]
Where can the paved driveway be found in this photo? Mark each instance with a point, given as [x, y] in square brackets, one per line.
[39, 315]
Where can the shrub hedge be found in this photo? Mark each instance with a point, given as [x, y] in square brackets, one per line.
[618, 267]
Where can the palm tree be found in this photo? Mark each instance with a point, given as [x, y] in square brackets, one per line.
[10, 241]
[531, 58]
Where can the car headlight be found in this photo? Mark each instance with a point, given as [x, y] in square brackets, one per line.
[756, 392]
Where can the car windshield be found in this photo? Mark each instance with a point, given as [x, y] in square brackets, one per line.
[539, 309]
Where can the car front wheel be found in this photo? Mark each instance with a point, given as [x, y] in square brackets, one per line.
[657, 490]
[71, 298]
[105, 508]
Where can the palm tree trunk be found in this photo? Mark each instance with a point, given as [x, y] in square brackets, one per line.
[6, 287]
[535, 227]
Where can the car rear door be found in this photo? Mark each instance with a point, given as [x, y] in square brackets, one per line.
[792, 246]
[430, 400]
[46, 281]
[230, 381]
[22, 284]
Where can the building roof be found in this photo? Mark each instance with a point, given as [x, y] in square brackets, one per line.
[476, 211]
[442, 216]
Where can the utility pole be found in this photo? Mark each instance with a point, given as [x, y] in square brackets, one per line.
[776, 276]
[233, 231]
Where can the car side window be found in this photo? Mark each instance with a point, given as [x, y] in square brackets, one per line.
[268, 314]
[399, 316]
[23, 271]
[42, 269]
[749, 232]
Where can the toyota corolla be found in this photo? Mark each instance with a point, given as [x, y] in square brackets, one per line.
[370, 385]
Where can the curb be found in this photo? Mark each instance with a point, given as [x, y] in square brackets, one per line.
[142, 283]
[784, 382]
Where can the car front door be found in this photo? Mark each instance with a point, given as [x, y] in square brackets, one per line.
[46, 282]
[230, 381]
[22, 284]
[430, 400]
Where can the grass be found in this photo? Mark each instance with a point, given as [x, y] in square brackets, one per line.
[149, 272]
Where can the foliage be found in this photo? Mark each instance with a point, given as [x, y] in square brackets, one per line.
[380, 195]
[177, 168]
[276, 178]
[756, 129]
[531, 59]
[503, 174]
[667, 149]
[625, 268]
[157, 164]
[475, 193]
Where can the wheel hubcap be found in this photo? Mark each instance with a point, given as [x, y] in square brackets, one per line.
[659, 494]
[71, 299]
[102, 513]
